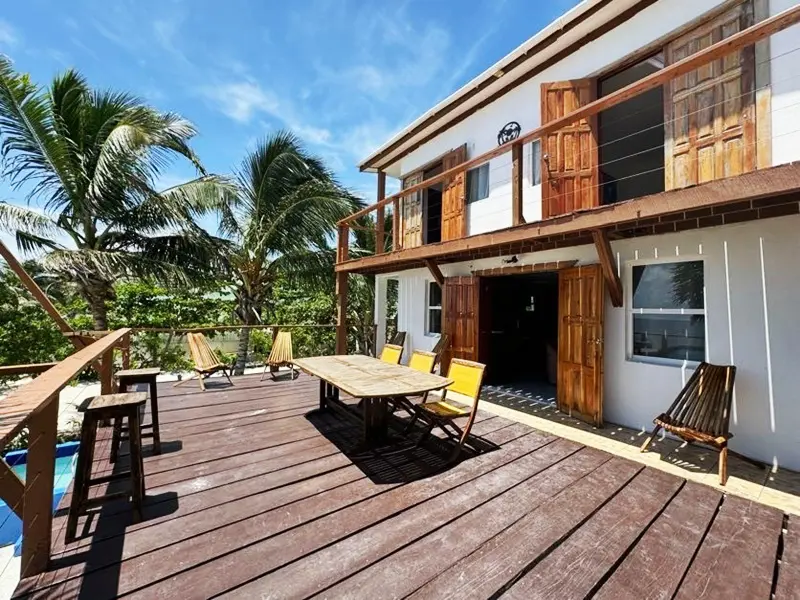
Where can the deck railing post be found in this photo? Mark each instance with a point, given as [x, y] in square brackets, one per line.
[380, 218]
[106, 372]
[341, 313]
[396, 245]
[37, 518]
[126, 352]
[344, 243]
[516, 185]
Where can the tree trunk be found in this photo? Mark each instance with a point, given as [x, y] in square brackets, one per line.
[96, 293]
[241, 350]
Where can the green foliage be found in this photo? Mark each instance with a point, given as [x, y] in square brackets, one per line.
[305, 305]
[71, 433]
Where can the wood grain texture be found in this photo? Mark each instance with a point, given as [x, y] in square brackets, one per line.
[609, 266]
[454, 196]
[517, 171]
[411, 207]
[788, 585]
[460, 296]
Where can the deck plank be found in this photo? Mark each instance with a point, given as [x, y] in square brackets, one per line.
[788, 584]
[574, 568]
[743, 540]
[655, 567]
[503, 558]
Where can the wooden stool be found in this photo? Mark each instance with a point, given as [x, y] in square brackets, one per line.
[97, 409]
[130, 377]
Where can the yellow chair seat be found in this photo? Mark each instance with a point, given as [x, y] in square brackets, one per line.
[444, 409]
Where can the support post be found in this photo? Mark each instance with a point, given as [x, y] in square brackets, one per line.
[37, 520]
[608, 266]
[341, 313]
[343, 247]
[380, 219]
[12, 489]
[106, 374]
[126, 351]
[516, 185]
[396, 245]
[435, 272]
[380, 313]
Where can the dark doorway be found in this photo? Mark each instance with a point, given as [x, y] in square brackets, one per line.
[519, 329]
[432, 208]
[631, 137]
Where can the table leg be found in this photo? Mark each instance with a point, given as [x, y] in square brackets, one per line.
[154, 417]
[375, 421]
[323, 394]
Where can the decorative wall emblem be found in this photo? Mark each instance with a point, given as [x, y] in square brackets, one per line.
[508, 133]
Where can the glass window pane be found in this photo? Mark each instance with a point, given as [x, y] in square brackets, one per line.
[669, 285]
[681, 337]
[478, 183]
[434, 294]
[536, 162]
[434, 321]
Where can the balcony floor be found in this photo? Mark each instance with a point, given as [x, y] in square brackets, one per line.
[253, 497]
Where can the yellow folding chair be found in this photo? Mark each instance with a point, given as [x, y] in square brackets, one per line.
[421, 361]
[392, 354]
[467, 377]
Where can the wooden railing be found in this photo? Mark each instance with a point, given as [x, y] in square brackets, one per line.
[742, 39]
[35, 406]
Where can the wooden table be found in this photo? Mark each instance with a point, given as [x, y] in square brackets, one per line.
[370, 380]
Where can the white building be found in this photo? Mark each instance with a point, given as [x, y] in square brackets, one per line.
[692, 183]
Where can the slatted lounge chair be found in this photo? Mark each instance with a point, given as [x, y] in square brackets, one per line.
[419, 361]
[440, 347]
[280, 355]
[467, 377]
[398, 339]
[392, 353]
[701, 412]
[206, 362]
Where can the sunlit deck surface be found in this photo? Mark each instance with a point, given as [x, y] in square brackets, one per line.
[253, 497]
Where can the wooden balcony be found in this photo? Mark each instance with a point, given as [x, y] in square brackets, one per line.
[255, 495]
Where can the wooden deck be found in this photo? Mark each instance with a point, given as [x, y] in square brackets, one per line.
[253, 497]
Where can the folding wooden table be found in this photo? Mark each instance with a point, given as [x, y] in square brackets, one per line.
[371, 381]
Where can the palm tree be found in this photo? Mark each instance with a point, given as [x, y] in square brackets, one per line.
[90, 159]
[281, 223]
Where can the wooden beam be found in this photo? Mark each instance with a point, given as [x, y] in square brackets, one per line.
[380, 219]
[343, 246]
[737, 41]
[436, 272]
[775, 181]
[396, 244]
[525, 269]
[516, 185]
[20, 405]
[12, 489]
[29, 369]
[341, 313]
[608, 266]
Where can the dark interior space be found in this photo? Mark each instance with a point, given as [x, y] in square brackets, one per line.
[519, 328]
[432, 208]
[631, 137]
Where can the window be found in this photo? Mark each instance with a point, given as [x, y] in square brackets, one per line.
[666, 312]
[478, 183]
[434, 309]
[536, 162]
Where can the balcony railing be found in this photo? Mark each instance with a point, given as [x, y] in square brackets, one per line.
[738, 41]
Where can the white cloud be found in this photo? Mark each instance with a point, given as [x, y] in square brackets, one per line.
[242, 100]
[8, 35]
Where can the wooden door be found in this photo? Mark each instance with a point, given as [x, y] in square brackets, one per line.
[454, 194]
[460, 298]
[579, 389]
[709, 114]
[569, 156]
[412, 213]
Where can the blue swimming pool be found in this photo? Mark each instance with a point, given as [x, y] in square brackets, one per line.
[10, 523]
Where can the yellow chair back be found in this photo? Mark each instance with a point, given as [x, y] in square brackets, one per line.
[203, 356]
[467, 379]
[281, 353]
[422, 361]
[392, 354]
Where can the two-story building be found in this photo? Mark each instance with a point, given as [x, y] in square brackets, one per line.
[607, 206]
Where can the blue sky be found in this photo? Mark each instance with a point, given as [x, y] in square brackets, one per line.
[344, 75]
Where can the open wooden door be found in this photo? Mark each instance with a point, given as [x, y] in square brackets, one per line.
[411, 211]
[569, 156]
[460, 318]
[454, 194]
[579, 389]
[710, 113]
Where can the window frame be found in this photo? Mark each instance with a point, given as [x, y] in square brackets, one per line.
[536, 165]
[429, 308]
[477, 169]
[630, 311]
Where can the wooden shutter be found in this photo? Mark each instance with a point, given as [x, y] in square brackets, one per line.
[579, 390]
[454, 193]
[412, 213]
[569, 156]
[460, 303]
[709, 113]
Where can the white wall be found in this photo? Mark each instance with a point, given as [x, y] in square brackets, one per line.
[522, 104]
[766, 414]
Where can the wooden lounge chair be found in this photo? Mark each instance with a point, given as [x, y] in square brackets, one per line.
[280, 355]
[206, 362]
[467, 378]
[701, 412]
[440, 347]
[398, 339]
[419, 361]
[392, 353]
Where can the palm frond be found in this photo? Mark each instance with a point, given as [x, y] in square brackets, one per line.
[15, 218]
